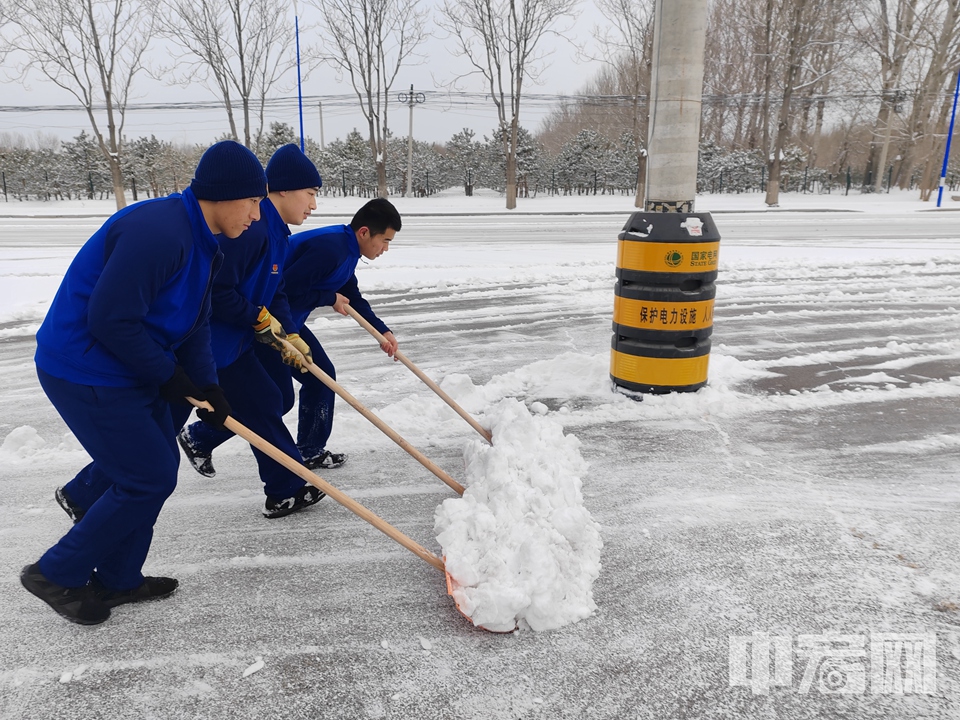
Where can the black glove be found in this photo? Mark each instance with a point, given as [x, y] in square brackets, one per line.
[213, 394]
[179, 387]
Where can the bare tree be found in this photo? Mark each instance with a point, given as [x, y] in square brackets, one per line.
[370, 41]
[93, 49]
[499, 38]
[941, 40]
[797, 43]
[744, 51]
[888, 30]
[5, 18]
[768, 66]
[823, 63]
[631, 39]
[864, 83]
[728, 45]
[605, 104]
[239, 48]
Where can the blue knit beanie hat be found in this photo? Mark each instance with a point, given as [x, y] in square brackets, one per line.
[290, 169]
[228, 171]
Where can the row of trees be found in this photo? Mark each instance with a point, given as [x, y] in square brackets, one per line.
[587, 163]
[861, 83]
[240, 49]
[848, 82]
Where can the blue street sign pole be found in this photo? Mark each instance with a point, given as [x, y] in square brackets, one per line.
[946, 154]
[296, 25]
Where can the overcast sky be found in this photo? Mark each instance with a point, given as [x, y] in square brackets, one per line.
[435, 120]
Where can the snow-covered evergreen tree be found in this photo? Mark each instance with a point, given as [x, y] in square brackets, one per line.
[530, 164]
[88, 173]
[464, 158]
[347, 168]
[277, 136]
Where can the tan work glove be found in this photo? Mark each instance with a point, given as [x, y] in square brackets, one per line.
[295, 359]
[268, 330]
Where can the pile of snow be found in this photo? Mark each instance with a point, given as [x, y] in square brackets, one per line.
[519, 545]
[22, 442]
[25, 445]
[566, 376]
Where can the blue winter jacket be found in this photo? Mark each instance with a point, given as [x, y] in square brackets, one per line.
[251, 278]
[320, 264]
[135, 301]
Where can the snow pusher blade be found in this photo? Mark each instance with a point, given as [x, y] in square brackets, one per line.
[452, 587]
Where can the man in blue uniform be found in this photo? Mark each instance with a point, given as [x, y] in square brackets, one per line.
[250, 314]
[127, 335]
[321, 271]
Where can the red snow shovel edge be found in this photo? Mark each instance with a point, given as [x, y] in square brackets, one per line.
[454, 585]
[380, 424]
[349, 503]
[420, 374]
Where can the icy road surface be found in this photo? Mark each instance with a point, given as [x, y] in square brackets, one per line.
[782, 544]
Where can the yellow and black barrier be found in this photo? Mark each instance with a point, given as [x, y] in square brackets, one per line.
[657, 367]
[662, 313]
[663, 302]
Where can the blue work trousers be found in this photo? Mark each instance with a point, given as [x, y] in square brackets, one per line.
[315, 421]
[258, 403]
[130, 434]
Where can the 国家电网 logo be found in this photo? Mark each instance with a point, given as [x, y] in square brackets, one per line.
[673, 258]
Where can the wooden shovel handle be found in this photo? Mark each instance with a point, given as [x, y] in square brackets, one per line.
[420, 374]
[352, 505]
[380, 424]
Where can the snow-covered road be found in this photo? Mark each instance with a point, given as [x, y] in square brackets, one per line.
[803, 506]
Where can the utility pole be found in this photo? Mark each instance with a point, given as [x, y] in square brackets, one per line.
[320, 104]
[411, 100]
[676, 93]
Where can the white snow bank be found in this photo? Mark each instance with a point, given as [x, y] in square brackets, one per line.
[22, 442]
[580, 386]
[25, 444]
[520, 546]
[564, 377]
[576, 376]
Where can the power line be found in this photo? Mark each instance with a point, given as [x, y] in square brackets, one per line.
[449, 100]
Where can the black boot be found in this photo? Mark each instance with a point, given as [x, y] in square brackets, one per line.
[325, 460]
[152, 588]
[279, 507]
[203, 464]
[79, 605]
[75, 512]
